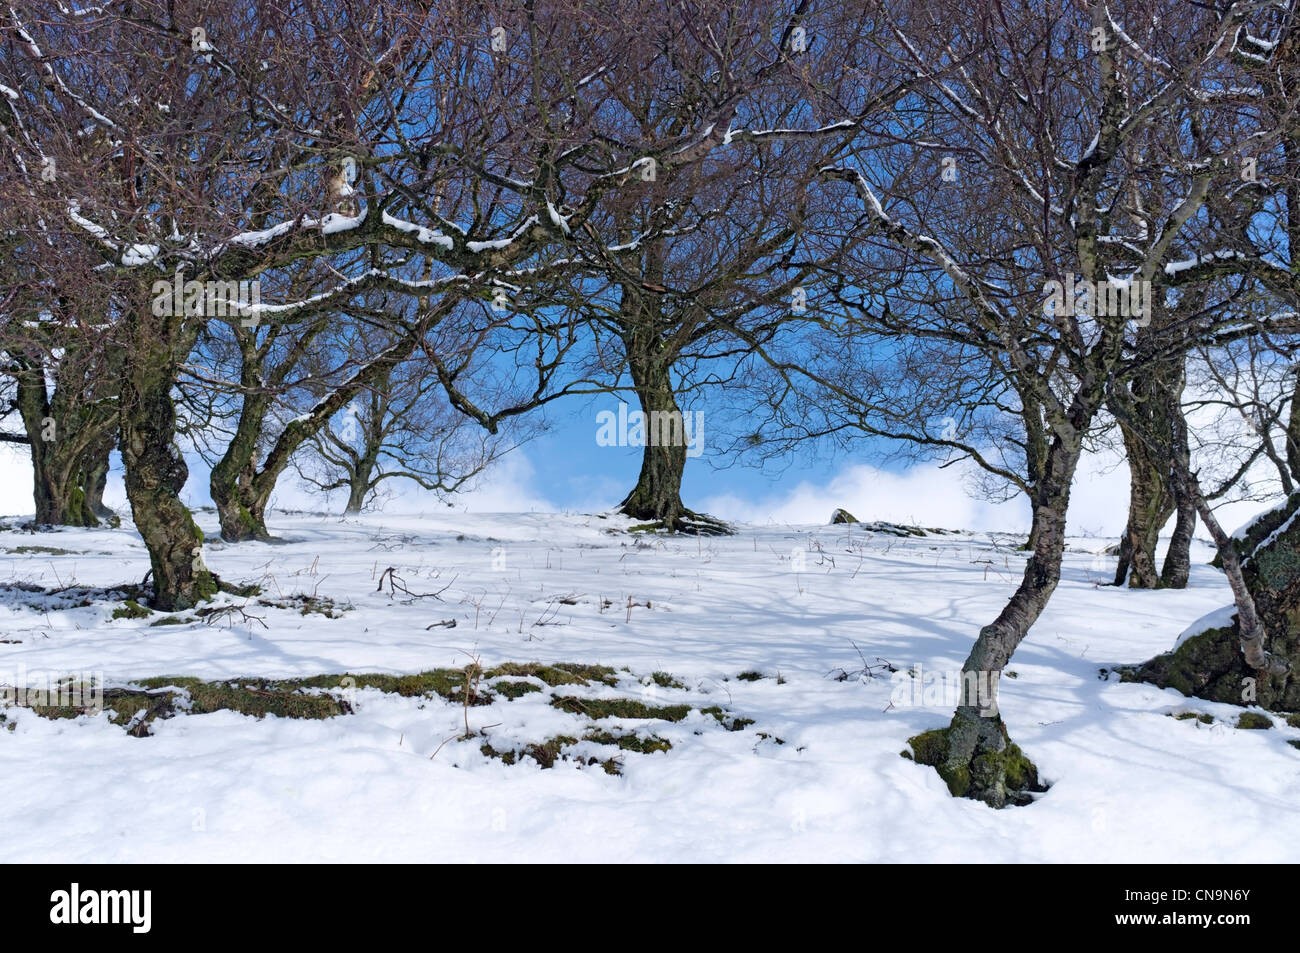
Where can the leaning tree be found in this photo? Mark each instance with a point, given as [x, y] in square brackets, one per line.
[1048, 118]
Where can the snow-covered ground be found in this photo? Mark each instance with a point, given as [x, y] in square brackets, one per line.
[392, 782]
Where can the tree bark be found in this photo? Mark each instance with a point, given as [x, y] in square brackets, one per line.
[232, 483]
[657, 496]
[68, 443]
[95, 480]
[974, 754]
[1150, 505]
[1178, 559]
[155, 470]
[358, 487]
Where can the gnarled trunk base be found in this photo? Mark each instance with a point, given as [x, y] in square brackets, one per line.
[977, 760]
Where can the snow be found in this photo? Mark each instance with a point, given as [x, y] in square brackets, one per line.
[137, 255]
[427, 236]
[334, 222]
[497, 244]
[391, 782]
[260, 237]
[74, 213]
[558, 220]
[1220, 618]
[1242, 531]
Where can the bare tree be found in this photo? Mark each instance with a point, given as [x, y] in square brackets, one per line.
[188, 150]
[1097, 103]
[398, 428]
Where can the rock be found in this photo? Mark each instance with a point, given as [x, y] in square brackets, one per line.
[1207, 661]
[843, 516]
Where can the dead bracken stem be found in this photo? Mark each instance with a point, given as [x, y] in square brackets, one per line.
[473, 673]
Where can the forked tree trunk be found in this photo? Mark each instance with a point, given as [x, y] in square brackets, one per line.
[241, 489]
[974, 755]
[360, 475]
[232, 483]
[155, 470]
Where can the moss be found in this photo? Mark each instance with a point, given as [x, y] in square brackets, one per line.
[561, 673]
[445, 682]
[750, 676]
[506, 757]
[998, 773]
[664, 680]
[138, 706]
[42, 550]
[131, 610]
[1202, 717]
[598, 708]
[1293, 743]
[1020, 772]
[627, 742]
[545, 754]
[1293, 720]
[1208, 665]
[171, 620]
[1254, 720]
[513, 690]
[256, 697]
[727, 720]
[930, 747]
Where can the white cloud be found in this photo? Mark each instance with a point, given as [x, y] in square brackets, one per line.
[930, 496]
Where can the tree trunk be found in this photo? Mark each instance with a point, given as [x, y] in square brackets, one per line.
[1178, 559]
[94, 480]
[657, 496]
[155, 470]
[974, 754]
[233, 483]
[359, 480]
[1150, 505]
[240, 488]
[64, 444]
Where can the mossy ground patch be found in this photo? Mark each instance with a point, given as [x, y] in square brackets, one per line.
[603, 736]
